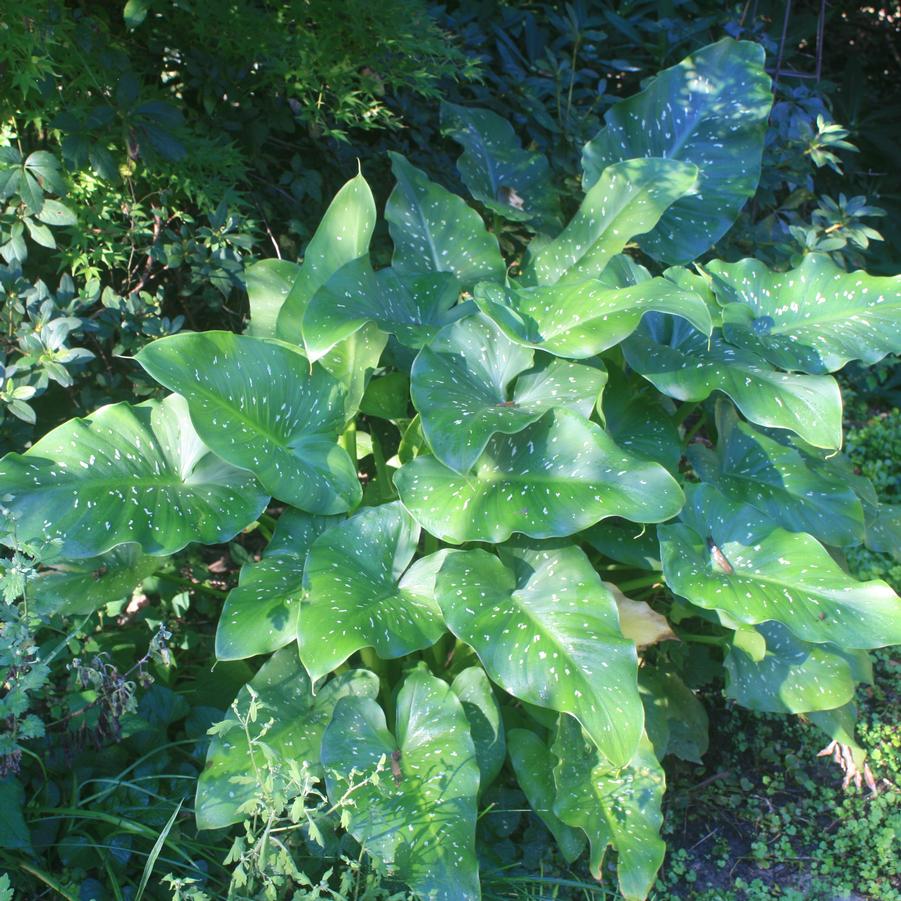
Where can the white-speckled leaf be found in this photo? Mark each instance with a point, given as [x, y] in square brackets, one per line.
[268, 284]
[299, 720]
[794, 676]
[260, 405]
[749, 467]
[360, 593]
[513, 182]
[614, 806]
[342, 235]
[125, 473]
[486, 724]
[534, 765]
[553, 479]
[776, 575]
[420, 818]
[625, 542]
[711, 110]
[547, 631]
[683, 363]
[627, 200]
[81, 586]
[461, 386]
[814, 318]
[578, 319]
[436, 231]
[353, 361]
[412, 307]
[260, 615]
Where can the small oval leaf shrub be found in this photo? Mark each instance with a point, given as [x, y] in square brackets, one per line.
[520, 499]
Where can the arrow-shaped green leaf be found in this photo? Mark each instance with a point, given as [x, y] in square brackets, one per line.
[547, 631]
[361, 594]
[728, 556]
[554, 478]
[125, 473]
[461, 388]
[419, 819]
[260, 405]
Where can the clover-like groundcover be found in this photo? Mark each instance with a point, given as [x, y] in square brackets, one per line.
[493, 520]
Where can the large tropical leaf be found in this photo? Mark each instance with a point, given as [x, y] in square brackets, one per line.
[684, 363]
[508, 180]
[268, 284]
[359, 595]
[556, 477]
[81, 586]
[260, 615]
[419, 819]
[627, 200]
[533, 765]
[282, 693]
[125, 473]
[460, 384]
[547, 631]
[728, 556]
[814, 318]
[486, 724]
[580, 319]
[353, 361]
[435, 231]
[711, 110]
[342, 235]
[614, 806]
[260, 405]
[794, 676]
[412, 307]
[749, 467]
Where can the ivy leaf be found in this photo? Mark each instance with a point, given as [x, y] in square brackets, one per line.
[794, 676]
[581, 319]
[412, 307]
[260, 615]
[533, 765]
[508, 180]
[683, 363]
[750, 467]
[342, 235]
[486, 724]
[711, 109]
[627, 200]
[419, 818]
[268, 284]
[299, 718]
[436, 231]
[78, 587]
[772, 574]
[547, 631]
[614, 806]
[260, 405]
[361, 594]
[554, 478]
[814, 318]
[126, 473]
[460, 384]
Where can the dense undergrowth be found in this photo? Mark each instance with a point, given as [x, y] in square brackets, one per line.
[144, 166]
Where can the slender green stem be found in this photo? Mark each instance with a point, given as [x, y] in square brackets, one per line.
[382, 476]
[721, 640]
[695, 429]
[643, 582]
[348, 440]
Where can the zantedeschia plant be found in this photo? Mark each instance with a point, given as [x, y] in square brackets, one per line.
[519, 499]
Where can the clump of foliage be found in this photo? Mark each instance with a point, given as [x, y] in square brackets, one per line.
[522, 498]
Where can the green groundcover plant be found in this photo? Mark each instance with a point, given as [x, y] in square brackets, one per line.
[506, 485]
